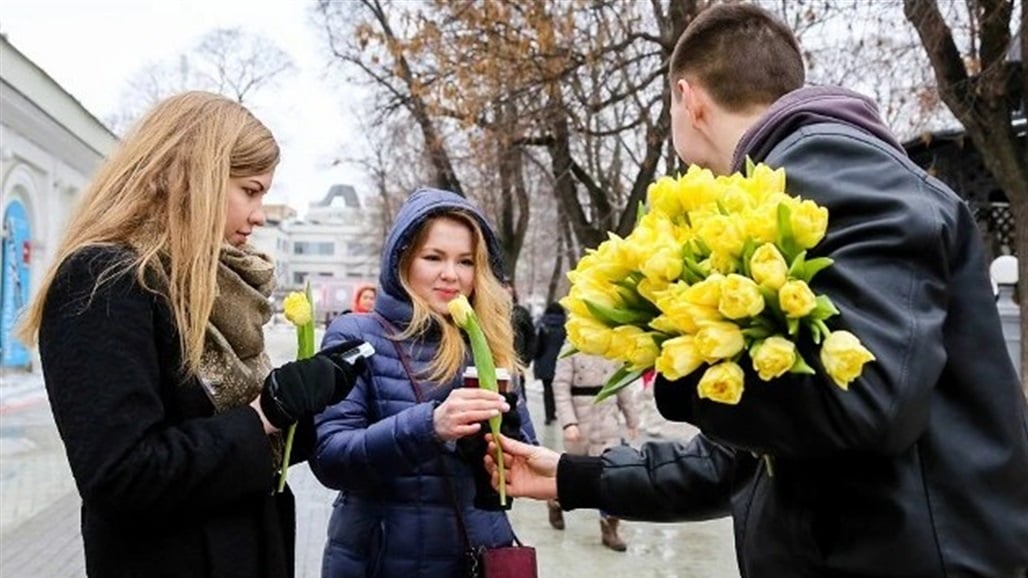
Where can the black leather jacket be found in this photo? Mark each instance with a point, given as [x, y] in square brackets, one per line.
[921, 468]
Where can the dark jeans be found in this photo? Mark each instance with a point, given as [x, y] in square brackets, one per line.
[549, 407]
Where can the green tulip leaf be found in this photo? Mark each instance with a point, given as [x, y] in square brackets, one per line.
[614, 317]
[621, 378]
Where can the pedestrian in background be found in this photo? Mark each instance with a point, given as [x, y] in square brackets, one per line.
[524, 327]
[364, 299]
[592, 427]
[548, 342]
[920, 468]
[407, 492]
[150, 328]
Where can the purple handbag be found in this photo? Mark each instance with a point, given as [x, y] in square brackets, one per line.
[508, 562]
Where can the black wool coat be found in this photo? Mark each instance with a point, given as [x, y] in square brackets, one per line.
[168, 488]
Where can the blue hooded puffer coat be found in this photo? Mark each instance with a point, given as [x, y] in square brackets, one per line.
[394, 515]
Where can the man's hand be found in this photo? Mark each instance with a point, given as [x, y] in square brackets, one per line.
[531, 470]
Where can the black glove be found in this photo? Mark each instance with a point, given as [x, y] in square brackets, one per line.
[472, 448]
[302, 388]
[510, 422]
[346, 372]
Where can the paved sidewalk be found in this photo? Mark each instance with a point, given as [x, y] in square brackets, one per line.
[39, 507]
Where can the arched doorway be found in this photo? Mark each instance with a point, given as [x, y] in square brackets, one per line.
[14, 282]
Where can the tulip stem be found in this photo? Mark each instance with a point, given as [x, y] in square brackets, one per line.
[304, 349]
[464, 316]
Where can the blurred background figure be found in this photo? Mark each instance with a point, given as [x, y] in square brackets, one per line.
[591, 427]
[548, 342]
[364, 299]
[524, 327]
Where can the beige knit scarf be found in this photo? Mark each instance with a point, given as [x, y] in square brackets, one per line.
[235, 362]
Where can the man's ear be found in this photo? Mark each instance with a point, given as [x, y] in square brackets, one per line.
[696, 101]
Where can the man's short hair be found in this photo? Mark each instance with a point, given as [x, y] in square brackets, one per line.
[741, 54]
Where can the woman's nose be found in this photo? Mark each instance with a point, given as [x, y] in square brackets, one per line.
[449, 270]
[257, 217]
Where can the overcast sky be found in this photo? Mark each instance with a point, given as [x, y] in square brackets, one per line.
[92, 48]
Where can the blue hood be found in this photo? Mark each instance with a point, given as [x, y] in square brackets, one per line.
[421, 205]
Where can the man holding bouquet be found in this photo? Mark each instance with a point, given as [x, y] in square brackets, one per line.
[919, 467]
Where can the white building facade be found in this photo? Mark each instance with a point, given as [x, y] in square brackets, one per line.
[335, 247]
[50, 146]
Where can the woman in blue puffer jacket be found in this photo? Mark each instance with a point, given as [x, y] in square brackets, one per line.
[390, 446]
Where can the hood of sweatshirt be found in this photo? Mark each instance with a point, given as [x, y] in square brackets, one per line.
[807, 106]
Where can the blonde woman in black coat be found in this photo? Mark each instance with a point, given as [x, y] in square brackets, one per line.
[149, 325]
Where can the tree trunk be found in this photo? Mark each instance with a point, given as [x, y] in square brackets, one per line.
[514, 203]
[1020, 212]
[558, 264]
[983, 105]
[445, 177]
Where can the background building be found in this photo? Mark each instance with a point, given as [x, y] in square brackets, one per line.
[334, 246]
[50, 146]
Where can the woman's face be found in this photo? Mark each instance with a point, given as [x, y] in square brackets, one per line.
[244, 208]
[366, 302]
[444, 265]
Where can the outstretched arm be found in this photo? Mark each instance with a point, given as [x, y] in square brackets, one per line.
[661, 482]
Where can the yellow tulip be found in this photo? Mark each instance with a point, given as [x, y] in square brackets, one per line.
[773, 357]
[723, 263]
[719, 340]
[650, 289]
[662, 196]
[768, 267]
[615, 259]
[796, 299]
[843, 357]
[664, 264]
[736, 199]
[722, 383]
[666, 324]
[575, 306]
[609, 261]
[687, 317]
[588, 335]
[809, 222]
[761, 223]
[765, 181]
[678, 357]
[596, 290]
[297, 309]
[633, 346]
[707, 292]
[723, 233]
[460, 310]
[740, 297]
[698, 188]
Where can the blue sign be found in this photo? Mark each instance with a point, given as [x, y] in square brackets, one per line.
[14, 283]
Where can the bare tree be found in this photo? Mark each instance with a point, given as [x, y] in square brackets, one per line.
[582, 83]
[978, 86]
[227, 61]
[362, 35]
[239, 64]
[547, 109]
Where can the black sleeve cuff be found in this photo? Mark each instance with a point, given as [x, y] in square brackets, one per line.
[303, 441]
[578, 481]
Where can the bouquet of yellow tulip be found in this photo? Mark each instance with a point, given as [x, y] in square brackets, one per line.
[299, 310]
[715, 270]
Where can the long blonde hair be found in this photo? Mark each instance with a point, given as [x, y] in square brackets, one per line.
[162, 194]
[489, 298]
